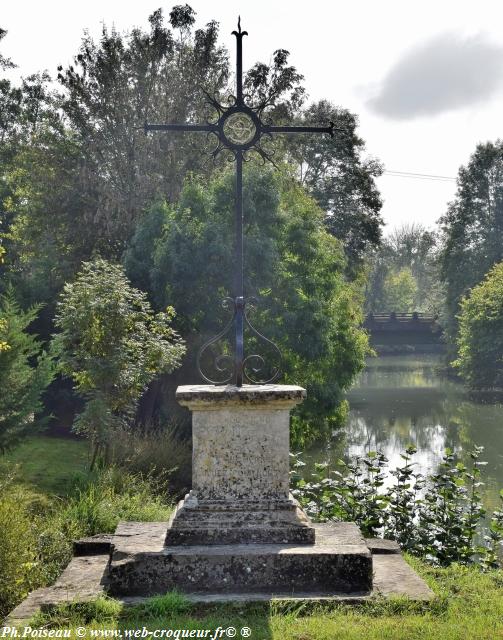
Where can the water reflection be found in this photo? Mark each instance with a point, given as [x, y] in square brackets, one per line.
[401, 400]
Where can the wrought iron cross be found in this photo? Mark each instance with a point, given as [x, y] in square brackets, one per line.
[238, 128]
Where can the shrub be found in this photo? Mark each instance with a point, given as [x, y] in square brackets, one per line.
[440, 518]
[112, 345]
[19, 569]
[36, 533]
[480, 337]
[25, 371]
[113, 495]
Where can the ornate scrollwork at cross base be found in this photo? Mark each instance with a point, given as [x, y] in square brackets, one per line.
[224, 365]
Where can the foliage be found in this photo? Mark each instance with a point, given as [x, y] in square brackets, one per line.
[25, 371]
[480, 336]
[472, 227]
[113, 495]
[400, 291]
[159, 74]
[410, 255]
[113, 87]
[292, 265]
[36, 532]
[24, 111]
[157, 452]
[18, 568]
[112, 345]
[439, 518]
[340, 179]
[5, 63]
[45, 214]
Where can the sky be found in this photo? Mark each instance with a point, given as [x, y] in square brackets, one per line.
[424, 78]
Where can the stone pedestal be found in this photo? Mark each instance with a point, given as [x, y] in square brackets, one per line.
[240, 468]
[239, 531]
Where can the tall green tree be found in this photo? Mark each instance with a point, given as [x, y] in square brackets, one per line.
[26, 370]
[112, 345]
[480, 336]
[292, 265]
[341, 179]
[473, 227]
[117, 84]
[409, 254]
[400, 290]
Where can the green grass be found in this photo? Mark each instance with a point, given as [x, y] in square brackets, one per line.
[48, 464]
[468, 606]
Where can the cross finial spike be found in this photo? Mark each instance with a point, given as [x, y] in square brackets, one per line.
[239, 33]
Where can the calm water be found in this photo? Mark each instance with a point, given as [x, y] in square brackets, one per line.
[401, 400]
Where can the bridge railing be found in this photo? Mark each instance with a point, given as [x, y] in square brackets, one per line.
[402, 321]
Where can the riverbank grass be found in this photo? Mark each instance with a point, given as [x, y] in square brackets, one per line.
[468, 606]
[49, 464]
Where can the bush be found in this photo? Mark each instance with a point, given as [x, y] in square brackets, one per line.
[113, 346]
[19, 569]
[25, 372]
[111, 496]
[439, 518]
[480, 338]
[157, 453]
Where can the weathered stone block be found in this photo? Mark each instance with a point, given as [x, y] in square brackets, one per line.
[240, 468]
[240, 440]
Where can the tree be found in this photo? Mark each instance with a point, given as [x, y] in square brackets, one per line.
[400, 291]
[292, 264]
[112, 345]
[341, 180]
[79, 182]
[412, 251]
[480, 336]
[5, 63]
[36, 199]
[117, 84]
[25, 371]
[472, 228]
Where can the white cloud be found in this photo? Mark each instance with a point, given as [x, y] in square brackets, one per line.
[445, 73]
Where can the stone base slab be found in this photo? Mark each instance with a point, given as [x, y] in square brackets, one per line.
[87, 577]
[84, 579]
[338, 561]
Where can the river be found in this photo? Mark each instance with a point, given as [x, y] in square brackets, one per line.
[401, 400]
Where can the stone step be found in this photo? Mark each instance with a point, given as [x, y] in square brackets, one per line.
[339, 562]
[196, 522]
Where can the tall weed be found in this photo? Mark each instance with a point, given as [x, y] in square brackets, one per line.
[440, 518]
[37, 533]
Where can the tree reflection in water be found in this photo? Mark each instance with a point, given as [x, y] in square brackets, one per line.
[401, 400]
